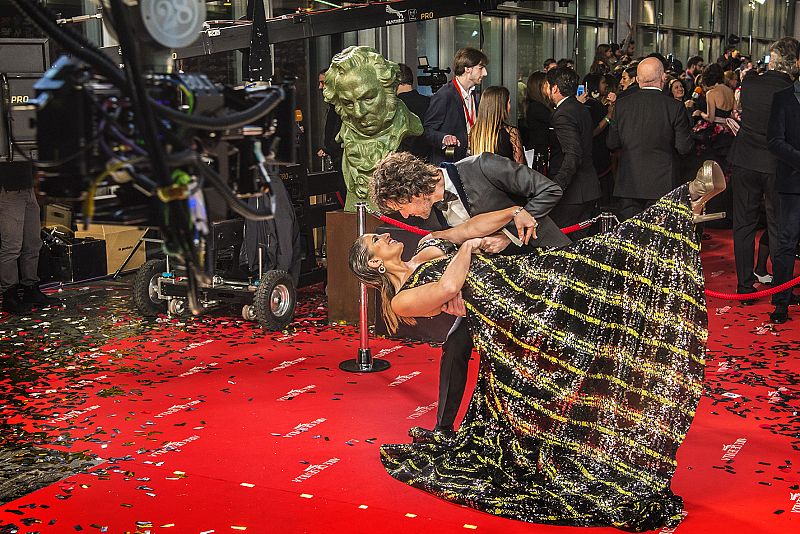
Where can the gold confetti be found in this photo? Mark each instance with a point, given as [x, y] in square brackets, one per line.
[363, 507]
[234, 527]
[471, 527]
[168, 525]
[306, 495]
[247, 485]
[411, 515]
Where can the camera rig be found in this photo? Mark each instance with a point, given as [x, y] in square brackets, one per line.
[162, 136]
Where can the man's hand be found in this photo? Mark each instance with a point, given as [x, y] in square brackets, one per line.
[455, 306]
[611, 97]
[689, 104]
[582, 98]
[526, 226]
[321, 153]
[495, 243]
[450, 140]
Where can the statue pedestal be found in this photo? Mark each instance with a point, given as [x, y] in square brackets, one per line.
[343, 286]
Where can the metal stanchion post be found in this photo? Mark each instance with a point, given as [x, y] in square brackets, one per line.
[607, 221]
[364, 363]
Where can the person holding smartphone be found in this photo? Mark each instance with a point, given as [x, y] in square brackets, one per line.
[571, 164]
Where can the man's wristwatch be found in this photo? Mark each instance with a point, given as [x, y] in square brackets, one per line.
[516, 211]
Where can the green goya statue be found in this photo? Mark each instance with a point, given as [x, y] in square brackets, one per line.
[362, 86]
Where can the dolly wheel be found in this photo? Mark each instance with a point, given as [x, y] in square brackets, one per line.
[275, 300]
[145, 288]
[249, 312]
[177, 307]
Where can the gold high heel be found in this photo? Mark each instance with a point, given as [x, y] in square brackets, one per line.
[709, 182]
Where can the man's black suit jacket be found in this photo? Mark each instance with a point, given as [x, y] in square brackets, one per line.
[445, 116]
[749, 149]
[418, 105]
[651, 129]
[783, 136]
[571, 165]
[489, 182]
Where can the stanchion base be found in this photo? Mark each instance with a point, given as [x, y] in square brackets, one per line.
[354, 366]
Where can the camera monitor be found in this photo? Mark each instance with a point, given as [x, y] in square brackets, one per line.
[16, 90]
[422, 61]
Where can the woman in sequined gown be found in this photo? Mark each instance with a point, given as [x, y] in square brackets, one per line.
[591, 366]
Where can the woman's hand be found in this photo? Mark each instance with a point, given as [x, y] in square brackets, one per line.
[472, 244]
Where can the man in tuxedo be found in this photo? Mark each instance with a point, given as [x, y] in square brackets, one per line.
[571, 164]
[753, 172]
[330, 146]
[418, 105]
[453, 193]
[651, 130]
[453, 108]
[783, 138]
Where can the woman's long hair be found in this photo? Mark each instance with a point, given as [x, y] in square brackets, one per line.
[358, 260]
[491, 116]
[536, 92]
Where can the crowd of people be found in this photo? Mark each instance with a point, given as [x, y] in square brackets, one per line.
[591, 347]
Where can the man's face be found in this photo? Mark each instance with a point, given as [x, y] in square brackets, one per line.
[321, 82]
[418, 206]
[476, 74]
[365, 102]
[698, 67]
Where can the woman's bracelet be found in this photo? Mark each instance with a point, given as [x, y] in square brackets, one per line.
[516, 211]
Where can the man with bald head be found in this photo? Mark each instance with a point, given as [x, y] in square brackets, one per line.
[651, 130]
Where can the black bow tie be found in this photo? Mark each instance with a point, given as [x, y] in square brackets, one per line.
[448, 198]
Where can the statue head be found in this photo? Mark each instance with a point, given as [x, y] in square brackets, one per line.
[362, 85]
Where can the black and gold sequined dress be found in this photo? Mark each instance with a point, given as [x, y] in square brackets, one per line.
[591, 366]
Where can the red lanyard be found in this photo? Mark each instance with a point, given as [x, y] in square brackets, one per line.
[470, 115]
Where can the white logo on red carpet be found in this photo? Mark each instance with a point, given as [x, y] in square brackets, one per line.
[285, 338]
[419, 411]
[733, 449]
[173, 446]
[295, 392]
[198, 368]
[195, 345]
[777, 395]
[304, 427]
[284, 365]
[175, 408]
[315, 469]
[384, 352]
[796, 498]
[404, 378]
[72, 414]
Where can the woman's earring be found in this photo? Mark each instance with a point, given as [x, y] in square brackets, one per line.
[381, 269]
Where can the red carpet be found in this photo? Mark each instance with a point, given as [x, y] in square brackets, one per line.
[222, 427]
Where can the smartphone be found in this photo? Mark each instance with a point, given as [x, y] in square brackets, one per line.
[766, 59]
[581, 90]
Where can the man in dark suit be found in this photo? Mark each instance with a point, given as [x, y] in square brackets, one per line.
[571, 165]
[453, 108]
[330, 146]
[650, 129]
[454, 193]
[783, 138]
[418, 105]
[753, 173]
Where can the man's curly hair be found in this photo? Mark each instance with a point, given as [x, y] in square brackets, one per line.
[399, 177]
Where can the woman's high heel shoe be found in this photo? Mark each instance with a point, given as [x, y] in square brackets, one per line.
[709, 182]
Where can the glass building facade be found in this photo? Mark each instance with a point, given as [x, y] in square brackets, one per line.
[517, 37]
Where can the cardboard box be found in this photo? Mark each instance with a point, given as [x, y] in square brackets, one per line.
[57, 215]
[120, 241]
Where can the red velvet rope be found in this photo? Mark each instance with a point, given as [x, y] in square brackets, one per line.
[585, 224]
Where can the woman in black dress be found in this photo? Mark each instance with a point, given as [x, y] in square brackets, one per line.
[491, 131]
[591, 364]
[537, 115]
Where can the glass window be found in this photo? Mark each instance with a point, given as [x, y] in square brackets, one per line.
[535, 43]
[648, 13]
[467, 31]
[681, 48]
[587, 42]
[428, 45]
[680, 13]
[589, 8]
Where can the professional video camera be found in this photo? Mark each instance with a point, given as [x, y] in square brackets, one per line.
[162, 136]
[434, 77]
